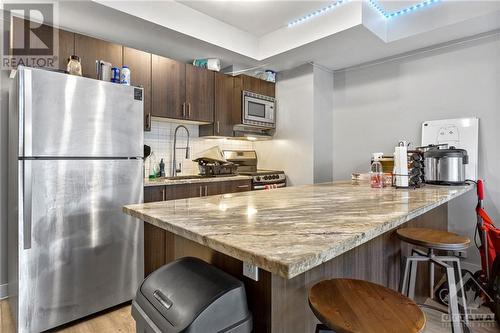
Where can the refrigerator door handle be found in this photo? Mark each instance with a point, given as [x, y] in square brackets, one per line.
[27, 203]
[27, 113]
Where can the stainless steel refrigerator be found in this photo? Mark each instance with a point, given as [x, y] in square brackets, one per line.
[75, 159]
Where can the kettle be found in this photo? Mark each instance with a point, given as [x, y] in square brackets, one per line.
[445, 166]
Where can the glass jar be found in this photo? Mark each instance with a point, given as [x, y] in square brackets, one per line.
[74, 66]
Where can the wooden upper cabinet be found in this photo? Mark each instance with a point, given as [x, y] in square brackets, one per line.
[223, 102]
[91, 49]
[168, 88]
[66, 48]
[251, 83]
[199, 94]
[139, 63]
[63, 47]
[268, 88]
[258, 86]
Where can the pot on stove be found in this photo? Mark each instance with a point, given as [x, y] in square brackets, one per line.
[445, 166]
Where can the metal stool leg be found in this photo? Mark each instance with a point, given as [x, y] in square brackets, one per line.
[453, 304]
[455, 261]
[431, 275]
[403, 287]
[458, 272]
[413, 278]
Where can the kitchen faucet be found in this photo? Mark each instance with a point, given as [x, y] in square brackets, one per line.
[174, 162]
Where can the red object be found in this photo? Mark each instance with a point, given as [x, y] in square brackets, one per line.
[489, 233]
[492, 239]
[480, 190]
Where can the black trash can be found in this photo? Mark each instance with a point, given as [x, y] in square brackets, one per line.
[191, 296]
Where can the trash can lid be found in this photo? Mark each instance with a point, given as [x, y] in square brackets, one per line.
[182, 289]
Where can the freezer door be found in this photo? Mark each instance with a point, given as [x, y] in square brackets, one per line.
[78, 252]
[70, 116]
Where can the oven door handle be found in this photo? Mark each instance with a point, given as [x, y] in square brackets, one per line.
[269, 186]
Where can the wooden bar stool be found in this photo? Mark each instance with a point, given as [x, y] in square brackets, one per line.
[436, 240]
[352, 306]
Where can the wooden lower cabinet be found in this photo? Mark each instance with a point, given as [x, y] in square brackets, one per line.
[156, 240]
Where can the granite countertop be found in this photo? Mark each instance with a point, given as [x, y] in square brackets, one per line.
[288, 231]
[195, 180]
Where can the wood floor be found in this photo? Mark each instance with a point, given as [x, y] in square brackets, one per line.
[119, 320]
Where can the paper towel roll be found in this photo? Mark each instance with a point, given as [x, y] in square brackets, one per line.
[401, 166]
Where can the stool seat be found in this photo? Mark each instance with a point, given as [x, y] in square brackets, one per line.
[348, 305]
[433, 239]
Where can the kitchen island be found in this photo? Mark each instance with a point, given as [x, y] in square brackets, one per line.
[298, 236]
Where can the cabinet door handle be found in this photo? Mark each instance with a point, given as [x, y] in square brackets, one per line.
[184, 110]
[163, 194]
[218, 127]
[201, 189]
[189, 110]
[243, 186]
[206, 190]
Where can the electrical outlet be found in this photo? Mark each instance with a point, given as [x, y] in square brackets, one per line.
[251, 271]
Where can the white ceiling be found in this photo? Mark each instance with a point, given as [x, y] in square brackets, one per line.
[258, 17]
[261, 17]
[351, 34]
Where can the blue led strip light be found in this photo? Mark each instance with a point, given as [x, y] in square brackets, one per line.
[375, 4]
[389, 15]
[317, 12]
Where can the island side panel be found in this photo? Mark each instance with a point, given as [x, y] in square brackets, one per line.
[378, 260]
[258, 292]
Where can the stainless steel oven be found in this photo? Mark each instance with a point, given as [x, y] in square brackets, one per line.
[258, 110]
[247, 165]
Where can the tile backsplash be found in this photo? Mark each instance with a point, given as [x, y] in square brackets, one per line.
[161, 141]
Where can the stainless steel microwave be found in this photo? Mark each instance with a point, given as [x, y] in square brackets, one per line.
[258, 110]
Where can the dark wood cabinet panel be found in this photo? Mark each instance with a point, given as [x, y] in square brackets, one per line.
[157, 244]
[199, 94]
[268, 88]
[154, 237]
[66, 48]
[154, 193]
[223, 103]
[168, 88]
[258, 86]
[251, 83]
[63, 42]
[90, 49]
[236, 186]
[139, 63]
[237, 102]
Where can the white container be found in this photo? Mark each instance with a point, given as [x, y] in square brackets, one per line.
[125, 75]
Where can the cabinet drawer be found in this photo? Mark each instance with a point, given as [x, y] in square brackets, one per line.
[154, 193]
[240, 186]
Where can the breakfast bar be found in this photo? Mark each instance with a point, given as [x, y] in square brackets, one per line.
[297, 236]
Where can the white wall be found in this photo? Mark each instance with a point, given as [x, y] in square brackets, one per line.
[323, 125]
[377, 105]
[302, 146]
[291, 149]
[161, 141]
